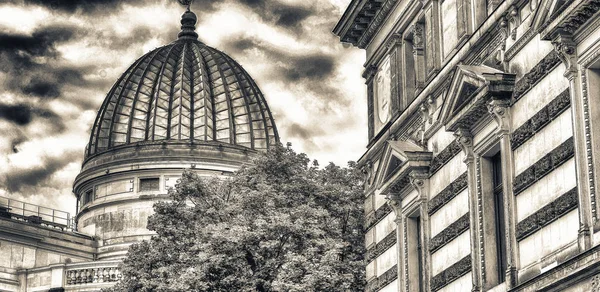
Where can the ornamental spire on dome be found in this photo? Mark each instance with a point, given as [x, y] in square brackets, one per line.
[188, 22]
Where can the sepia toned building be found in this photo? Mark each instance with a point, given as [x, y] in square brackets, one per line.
[181, 106]
[483, 163]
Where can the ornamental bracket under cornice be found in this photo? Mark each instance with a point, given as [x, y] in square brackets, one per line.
[567, 52]
[501, 114]
[464, 137]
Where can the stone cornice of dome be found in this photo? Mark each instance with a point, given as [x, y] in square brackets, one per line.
[133, 157]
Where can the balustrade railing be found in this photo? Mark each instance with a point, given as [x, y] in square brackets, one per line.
[15, 209]
[93, 275]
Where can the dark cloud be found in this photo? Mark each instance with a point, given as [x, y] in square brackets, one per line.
[312, 67]
[31, 61]
[85, 6]
[290, 16]
[19, 114]
[22, 115]
[304, 132]
[18, 180]
[281, 14]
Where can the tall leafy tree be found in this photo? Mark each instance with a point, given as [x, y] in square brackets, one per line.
[279, 224]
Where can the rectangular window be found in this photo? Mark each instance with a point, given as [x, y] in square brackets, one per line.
[499, 215]
[149, 184]
[88, 197]
[415, 252]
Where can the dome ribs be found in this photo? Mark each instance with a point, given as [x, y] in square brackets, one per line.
[262, 142]
[164, 96]
[156, 98]
[185, 107]
[174, 101]
[120, 121]
[163, 53]
[94, 137]
[184, 91]
[117, 130]
[203, 106]
[222, 101]
[136, 130]
[174, 127]
[249, 104]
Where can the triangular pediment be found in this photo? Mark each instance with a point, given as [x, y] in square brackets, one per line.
[469, 85]
[398, 156]
[546, 11]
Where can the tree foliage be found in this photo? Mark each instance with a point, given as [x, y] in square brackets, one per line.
[279, 224]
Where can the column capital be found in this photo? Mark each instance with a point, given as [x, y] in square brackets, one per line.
[369, 72]
[499, 109]
[566, 49]
[465, 141]
[395, 40]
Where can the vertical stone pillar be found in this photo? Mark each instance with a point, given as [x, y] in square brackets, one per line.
[566, 49]
[394, 49]
[396, 204]
[465, 140]
[418, 181]
[58, 276]
[419, 55]
[501, 114]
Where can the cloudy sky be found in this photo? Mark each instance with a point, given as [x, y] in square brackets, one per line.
[59, 58]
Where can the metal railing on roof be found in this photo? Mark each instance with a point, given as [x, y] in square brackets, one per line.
[15, 209]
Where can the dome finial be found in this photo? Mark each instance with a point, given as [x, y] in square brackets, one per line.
[188, 22]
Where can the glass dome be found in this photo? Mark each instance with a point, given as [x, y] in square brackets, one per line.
[184, 91]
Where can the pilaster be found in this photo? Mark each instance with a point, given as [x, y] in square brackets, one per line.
[418, 180]
[500, 111]
[465, 140]
[396, 203]
[567, 52]
[419, 55]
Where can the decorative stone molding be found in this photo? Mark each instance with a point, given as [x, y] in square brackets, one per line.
[450, 233]
[547, 214]
[450, 274]
[417, 180]
[566, 49]
[373, 27]
[542, 118]
[385, 279]
[418, 33]
[375, 217]
[514, 21]
[377, 250]
[93, 275]
[579, 16]
[480, 215]
[489, 45]
[444, 156]
[499, 111]
[395, 40]
[588, 141]
[465, 141]
[545, 165]
[369, 72]
[536, 74]
[519, 44]
[447, 194]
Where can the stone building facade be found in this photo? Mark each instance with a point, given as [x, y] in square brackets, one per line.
[482, 165]
[181, 106]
